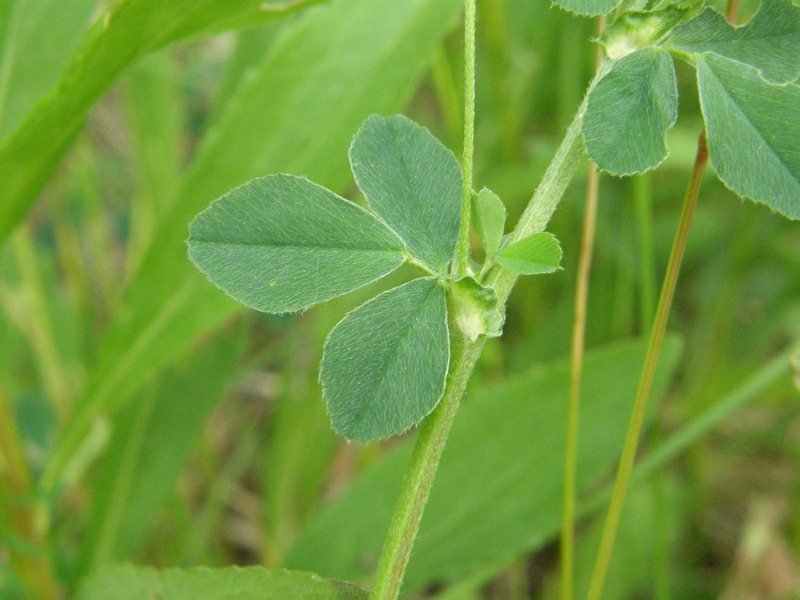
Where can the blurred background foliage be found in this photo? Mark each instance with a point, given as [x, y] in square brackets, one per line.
[145, 417]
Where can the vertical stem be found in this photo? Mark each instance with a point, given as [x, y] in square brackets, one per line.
[419, 476]
[469, 134]
[646, 382]
[576, 369]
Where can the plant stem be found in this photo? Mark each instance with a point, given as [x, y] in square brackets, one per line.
[548, 194]
[419, 476]
[576, 369]
[469, 134]
[648, 373]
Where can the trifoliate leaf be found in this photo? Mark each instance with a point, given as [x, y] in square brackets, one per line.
[281, 244]
[413, 183]
[489, 220]
[753, 130]
[384, 365]
[770, 42]
[535, 254]
[629, 112]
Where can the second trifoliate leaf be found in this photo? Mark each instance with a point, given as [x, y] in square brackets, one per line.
[753, 128]
[629, 112]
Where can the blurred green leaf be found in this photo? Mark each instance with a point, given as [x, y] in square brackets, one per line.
[150, 442]
[126, 582]
[412, 182]
[643, 552]
[384, 365]
[629, 112]
[361, 56]
[498, 489]
[29, 65]
[282, 243]
[154, 110]
[488, 219]
[753, 130]
[123, 33]
[536, 254]
[588, 8]
[770, 41]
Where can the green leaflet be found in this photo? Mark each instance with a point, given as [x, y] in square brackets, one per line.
[589, 8]
[384, 365]
[770, 42]
[533, 255]
[629, 112]
[125, 32]
[412, 182]
[753, 130]
[488, 220]
[126, 582]
[282, 243]
[499, 485]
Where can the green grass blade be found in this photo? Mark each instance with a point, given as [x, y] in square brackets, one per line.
[29, 66]
[150, 442]
[125, 32]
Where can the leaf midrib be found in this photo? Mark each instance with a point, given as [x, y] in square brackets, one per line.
[392, 357]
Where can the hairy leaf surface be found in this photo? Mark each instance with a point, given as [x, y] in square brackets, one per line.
[412, 182]
[489, 220]
[753, 130]
[536, 254]
[589, 8]
[770, 42]
[282, 243]
[384, 365]
[629, 112]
